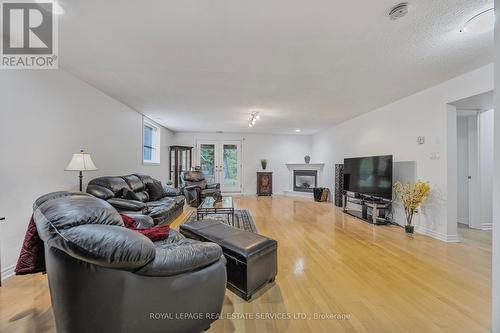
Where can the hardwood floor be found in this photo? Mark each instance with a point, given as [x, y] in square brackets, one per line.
[329, 263]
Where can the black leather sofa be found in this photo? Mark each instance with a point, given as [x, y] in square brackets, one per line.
[104, 277]
[196, 187]
[111, 189]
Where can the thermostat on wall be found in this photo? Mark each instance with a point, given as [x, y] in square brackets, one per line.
[421, 140]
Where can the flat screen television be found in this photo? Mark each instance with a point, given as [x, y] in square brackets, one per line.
[370, 176]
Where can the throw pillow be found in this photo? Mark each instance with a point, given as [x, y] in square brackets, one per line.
[130, 195]
[156, 233]
[155, 190]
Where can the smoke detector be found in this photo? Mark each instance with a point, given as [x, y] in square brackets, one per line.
[398, 11]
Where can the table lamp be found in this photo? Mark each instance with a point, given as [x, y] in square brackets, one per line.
[81, 162]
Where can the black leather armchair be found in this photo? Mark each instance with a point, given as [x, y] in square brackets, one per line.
[104, 277]
[196, 187]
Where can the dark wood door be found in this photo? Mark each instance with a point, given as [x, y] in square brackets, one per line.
[264, 183]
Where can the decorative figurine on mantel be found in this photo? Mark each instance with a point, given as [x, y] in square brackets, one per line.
[307, 159]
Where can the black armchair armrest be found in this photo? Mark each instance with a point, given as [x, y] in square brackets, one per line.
[213, 186]
[188, 255]
[193, 195]
[172, 191]
[127, 205]
[192, 188]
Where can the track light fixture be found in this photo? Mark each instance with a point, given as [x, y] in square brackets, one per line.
[253, 119]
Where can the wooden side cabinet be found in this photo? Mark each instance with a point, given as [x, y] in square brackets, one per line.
[264, 183]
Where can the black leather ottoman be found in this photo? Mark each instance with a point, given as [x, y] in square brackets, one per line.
[252, 260]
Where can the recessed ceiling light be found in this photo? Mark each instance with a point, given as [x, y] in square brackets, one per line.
[297, 130]
[482, 22]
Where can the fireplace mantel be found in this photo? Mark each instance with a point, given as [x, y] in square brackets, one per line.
[303, 166]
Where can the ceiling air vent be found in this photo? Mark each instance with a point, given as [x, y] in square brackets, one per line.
[398, 11]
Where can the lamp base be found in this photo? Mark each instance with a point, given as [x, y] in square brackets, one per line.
[81, 181]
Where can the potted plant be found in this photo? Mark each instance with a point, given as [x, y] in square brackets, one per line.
[169, 183]
[412, 195]
[263, 163]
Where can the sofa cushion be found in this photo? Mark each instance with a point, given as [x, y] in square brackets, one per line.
[128, 205]
[161, 208]
[143, 196]
[130, 195]
[144, 178]
[100, 192]
[135, 183]
[182, 256]
[115, 184]
[162, 202]
[155, 190]
[172, 191]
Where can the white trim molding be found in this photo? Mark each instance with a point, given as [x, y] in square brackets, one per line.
[487, 226]
[298, 194]
[8, 272]
[437, 235]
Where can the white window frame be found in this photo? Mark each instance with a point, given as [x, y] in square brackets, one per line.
[155, 156]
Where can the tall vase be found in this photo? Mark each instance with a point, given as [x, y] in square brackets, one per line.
[307, 159]
[409, 228]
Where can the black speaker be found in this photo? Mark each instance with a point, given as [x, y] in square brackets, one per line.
[339, 184]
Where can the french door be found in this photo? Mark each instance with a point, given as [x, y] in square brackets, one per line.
[220, 162]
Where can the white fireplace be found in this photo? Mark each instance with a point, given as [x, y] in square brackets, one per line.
[303, 177]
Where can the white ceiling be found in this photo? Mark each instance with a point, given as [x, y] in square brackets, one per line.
[196, 65]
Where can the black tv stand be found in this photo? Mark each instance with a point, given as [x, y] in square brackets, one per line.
[371, 209]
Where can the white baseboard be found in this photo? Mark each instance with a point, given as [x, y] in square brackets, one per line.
[238, 194]
[8, 272]
[487, 226]
[298, 194]
[437, 235]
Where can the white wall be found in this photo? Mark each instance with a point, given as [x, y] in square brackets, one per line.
[486, 124]
[496, 185]
[45, 117]
[277, 149]
[394, 128]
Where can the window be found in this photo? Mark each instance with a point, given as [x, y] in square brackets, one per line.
[151, 142]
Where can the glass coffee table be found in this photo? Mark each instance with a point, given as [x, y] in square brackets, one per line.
[210, 206]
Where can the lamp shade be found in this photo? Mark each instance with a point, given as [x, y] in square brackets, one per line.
[81, 162]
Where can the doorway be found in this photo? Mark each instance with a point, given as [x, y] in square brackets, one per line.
[474, 162]
[220, 162]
